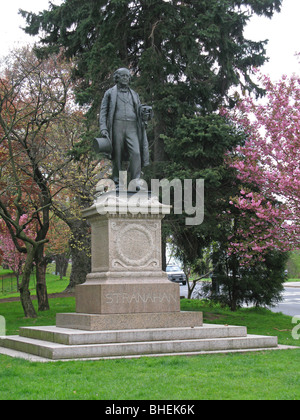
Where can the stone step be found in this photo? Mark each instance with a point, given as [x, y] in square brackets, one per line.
[76, 337]
[57, 351]
[131, 321]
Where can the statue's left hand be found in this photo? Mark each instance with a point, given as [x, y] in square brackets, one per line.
[146, 113]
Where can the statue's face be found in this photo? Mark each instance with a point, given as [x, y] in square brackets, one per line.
[123, 77]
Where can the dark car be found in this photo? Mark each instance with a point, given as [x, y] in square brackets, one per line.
[175, 274]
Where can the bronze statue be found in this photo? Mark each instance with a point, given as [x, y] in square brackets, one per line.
[123, 121]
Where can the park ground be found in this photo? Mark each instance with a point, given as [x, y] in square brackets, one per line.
[265, 375]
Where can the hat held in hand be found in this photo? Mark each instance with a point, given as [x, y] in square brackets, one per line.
[102, 145]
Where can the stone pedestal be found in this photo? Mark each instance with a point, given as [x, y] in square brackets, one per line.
[127, 274]
[127, 307]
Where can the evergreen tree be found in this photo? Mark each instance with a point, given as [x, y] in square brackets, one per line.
[259, 285]
[186, 55]
[196, 151]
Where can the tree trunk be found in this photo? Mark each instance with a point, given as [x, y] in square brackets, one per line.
[159, 146]
[27, 305]
[41, 287]
[80, 246]
[65, 265]
[61, 264]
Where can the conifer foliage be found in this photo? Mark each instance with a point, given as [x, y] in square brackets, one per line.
[186, 54]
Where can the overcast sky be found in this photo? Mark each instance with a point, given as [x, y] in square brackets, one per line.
[283, 32]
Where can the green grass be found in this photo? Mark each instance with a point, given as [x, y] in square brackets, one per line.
[262, 375]
[265, 375]
[293, 264]
[8, 282]
[54, 285]
[4, 272]
[14, 315]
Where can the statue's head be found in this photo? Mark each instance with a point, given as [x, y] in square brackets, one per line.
[123, 75]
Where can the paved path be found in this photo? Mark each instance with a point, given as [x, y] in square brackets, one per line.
[291, 301]
[292, 284]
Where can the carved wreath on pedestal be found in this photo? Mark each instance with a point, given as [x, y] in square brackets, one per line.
[135, 245]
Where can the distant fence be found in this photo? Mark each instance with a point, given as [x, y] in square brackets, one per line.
[9, 284]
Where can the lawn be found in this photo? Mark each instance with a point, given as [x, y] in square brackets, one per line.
[8, 284]
[264, 375]
[249, 376]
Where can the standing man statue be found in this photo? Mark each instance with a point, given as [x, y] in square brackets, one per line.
[122, 123]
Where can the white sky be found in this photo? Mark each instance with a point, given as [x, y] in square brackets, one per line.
[283, 32]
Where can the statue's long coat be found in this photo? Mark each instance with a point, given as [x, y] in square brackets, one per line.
[107, 112]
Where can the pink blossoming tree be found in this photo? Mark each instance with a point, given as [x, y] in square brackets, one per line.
[12, 257]
[268, 167]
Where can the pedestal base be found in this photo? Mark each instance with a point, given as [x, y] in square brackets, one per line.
[54, 343]
[126, 298]
[113, 322]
